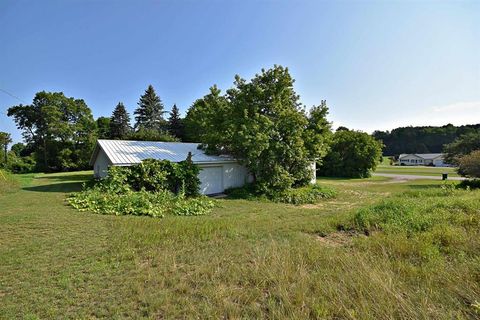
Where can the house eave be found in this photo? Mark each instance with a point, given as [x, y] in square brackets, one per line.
[194, 162]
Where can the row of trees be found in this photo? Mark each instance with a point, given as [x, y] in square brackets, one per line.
[261, 121]
[150, 123]
[60, 132]
[421, 139]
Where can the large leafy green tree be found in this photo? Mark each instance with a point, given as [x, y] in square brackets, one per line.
[462, 146]
[149, 114]
[120, 123]
[175, 123]
[352, 154]
[207, 120]
[263, 124]
[268, 130]
[103, 127]
[5, 140]
[318, 132]
[61, 130]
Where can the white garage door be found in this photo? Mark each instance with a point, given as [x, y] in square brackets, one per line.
[211, 179]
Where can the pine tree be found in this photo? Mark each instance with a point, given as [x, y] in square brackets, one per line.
[149, 114]
[175, 123]
[120, 123]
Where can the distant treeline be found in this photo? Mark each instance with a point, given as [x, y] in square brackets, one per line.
[421, 139]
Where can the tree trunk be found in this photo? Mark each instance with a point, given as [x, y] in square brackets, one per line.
[45, 154]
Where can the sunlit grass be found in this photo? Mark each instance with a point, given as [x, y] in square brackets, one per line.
[247, 259]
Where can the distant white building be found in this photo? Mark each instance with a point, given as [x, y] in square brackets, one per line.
[217, 173]
[422, 159]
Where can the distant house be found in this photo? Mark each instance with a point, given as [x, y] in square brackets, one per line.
[217, 173]
[422, 159]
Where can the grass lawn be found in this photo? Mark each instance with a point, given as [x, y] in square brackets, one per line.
[385, 167]
[247, 259]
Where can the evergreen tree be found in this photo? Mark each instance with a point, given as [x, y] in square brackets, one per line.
[120, 123]
[149, 114]
[175, 123]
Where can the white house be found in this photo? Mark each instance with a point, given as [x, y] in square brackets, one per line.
[422, 159]
[217, 173]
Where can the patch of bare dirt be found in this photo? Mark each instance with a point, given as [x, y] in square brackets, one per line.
[338, 239]
[323, 204]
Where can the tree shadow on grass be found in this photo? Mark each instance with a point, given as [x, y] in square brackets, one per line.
[65, 187]
[70, 177]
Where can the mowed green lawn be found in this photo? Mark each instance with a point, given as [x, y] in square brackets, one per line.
[385, 167]
[245, 260]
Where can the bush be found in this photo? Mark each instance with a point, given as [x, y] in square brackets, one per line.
[17, 164]
[139, 203]
[352, 154]
[469, 184]
[154, 175]
[304, 195]
[309, 194]
[469, 165]
[146, 189]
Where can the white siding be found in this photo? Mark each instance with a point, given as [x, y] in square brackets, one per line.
[235, 175]
[439, 162]
[100, 167]
[411, 160]
[211, 180]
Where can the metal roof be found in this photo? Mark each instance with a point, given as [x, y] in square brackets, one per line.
[425, 156]
[127, 152]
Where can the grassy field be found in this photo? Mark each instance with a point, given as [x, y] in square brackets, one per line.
[348, 257]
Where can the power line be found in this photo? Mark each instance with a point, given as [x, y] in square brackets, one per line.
[12, 95]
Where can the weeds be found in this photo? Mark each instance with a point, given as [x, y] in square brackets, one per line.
[305, 195]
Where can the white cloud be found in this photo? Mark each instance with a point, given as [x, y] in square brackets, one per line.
[459, 106]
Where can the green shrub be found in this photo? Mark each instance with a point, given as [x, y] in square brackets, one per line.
[152, 188]
[247, 192]
[296, 196]
[353, 154]
[139, 203]
[469, 165]
[154, 175]
[309, 194]
[469, 184]
[17, 164]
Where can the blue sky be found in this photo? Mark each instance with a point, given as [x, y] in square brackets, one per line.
[379, 64]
